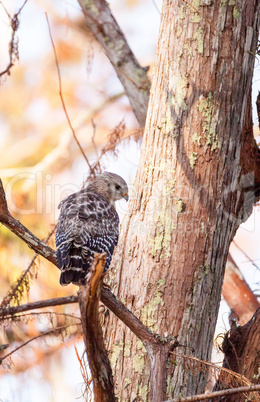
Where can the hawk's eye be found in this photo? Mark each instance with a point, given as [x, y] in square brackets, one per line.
[117, 187]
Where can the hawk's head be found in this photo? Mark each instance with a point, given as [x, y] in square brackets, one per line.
[112, 186]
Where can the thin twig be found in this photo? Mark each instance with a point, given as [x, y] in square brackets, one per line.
[15, 287]
[211, 395]
[61, 96]
[246, 255]
[49, 313]
[13, 48]
[213, 366]
[82, 368]
[157, 8]
[51, 158]
[52, 331]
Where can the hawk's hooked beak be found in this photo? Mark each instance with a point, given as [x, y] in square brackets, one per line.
[126, 196]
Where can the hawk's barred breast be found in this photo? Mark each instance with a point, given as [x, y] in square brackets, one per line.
[88, 224]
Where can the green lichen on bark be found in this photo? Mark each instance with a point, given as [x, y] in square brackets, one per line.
[138, 363]
[206, 108]
[196, 18]
[196, 138]
[90, 5]
[170, 387]
[160, 282]
[115, 353]
[179, 31]
[156, 244]
[197, 3]
[143, 392]
[182, 12]
[140, 346]
[179, 205]
[193, 158]
[162, 240]
[149, 310]
[127, 349]
[187, 49]
[167, 126]
[236, 13]
[180, 93]
[199, 39]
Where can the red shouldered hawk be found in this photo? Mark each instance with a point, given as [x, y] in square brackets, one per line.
[88, 224]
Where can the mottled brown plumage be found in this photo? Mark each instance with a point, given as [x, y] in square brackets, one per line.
[88, 224]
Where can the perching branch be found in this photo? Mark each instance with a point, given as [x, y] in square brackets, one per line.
[133, 77]
[21, 231]
[89, 296]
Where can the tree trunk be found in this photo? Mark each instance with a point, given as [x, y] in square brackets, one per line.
[186, 204]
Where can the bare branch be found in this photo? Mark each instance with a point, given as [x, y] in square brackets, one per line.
[107, 32]
[158, 348]
[59, 301]
[211, 395]
[127, 317]
[238, 295]
[107, 297]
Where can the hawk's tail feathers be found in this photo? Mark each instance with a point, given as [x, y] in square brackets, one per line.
[74, 267]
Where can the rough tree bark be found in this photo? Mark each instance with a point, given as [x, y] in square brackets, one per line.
[189, 189]
[238, 347]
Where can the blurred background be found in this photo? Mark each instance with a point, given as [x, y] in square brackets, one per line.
[41, 163]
